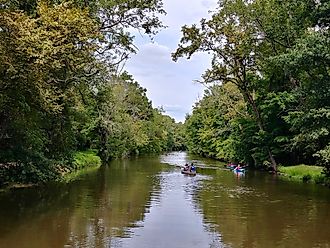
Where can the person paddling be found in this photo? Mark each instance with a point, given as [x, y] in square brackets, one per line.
[192, 167]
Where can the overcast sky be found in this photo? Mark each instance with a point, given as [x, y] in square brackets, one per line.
[170, 84]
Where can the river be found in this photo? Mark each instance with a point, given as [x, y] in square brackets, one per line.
[146, 202]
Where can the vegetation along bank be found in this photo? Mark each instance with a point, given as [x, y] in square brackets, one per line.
[268, 100]
[61, 94]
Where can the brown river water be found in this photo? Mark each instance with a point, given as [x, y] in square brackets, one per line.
[146, 202]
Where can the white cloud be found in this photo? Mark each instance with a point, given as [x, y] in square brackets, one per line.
[186, 11]
[150, 56]
[155, 51]
[170, 84]
[209, 4]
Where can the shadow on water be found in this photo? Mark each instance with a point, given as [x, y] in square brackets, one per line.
[85, 213]
[259, 210]
[256, 209]
[146, 202]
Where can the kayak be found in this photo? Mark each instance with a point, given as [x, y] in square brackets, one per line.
[231, 166]
[239, 170]
[191, 173]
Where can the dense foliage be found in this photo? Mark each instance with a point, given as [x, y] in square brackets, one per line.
[270, 99]
[59, 90]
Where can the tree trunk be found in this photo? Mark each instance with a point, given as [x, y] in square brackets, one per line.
[272, 160]
[257, 116]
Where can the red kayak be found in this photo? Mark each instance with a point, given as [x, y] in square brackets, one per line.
[186, 172]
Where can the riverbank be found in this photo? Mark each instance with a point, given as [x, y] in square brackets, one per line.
[146, 202]
[15, 175]
[304, 173]
[83, 163]
[85, 159]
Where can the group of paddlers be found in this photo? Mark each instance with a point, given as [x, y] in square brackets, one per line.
[190, 168]
[237, 167]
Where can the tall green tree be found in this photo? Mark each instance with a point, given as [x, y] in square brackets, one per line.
[41, 60]
[256, 46]
[211, 129]
[57, 58]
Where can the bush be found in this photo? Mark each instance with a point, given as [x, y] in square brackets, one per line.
[320, 179]
[86, 159]
[305, 173]
[306, 178]
[324, 160]
[29, 172]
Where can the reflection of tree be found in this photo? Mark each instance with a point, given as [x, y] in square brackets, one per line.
[128, 191]
[264, 213]
[86, 213]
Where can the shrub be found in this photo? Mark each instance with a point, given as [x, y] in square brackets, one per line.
[86, 159]
[306, 178]
[306, 173]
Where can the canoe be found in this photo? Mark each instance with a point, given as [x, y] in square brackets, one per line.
[190, 173]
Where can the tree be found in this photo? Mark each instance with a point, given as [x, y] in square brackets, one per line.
[40, 63]
[57, 57]
[266, 49]
[232, 39]
[211, 129]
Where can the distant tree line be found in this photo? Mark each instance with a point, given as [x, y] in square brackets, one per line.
[60, 91]
[268, 101]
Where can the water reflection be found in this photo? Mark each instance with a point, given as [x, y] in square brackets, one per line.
[86, 213]
[174, 220]
[180, 158]
[269, 213]
[146, 202]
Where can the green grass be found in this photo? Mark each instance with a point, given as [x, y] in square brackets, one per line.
[84, 162]
[86, 159]
[305, 173]
[74, 175]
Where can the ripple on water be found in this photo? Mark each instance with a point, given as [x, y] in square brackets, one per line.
[170, 210]
[174, 158]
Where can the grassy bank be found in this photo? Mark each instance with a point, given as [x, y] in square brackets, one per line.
[86, 159]
[17, 175]
[84, 162]
[304, 173]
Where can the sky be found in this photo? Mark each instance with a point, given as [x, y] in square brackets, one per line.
[169, 84]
